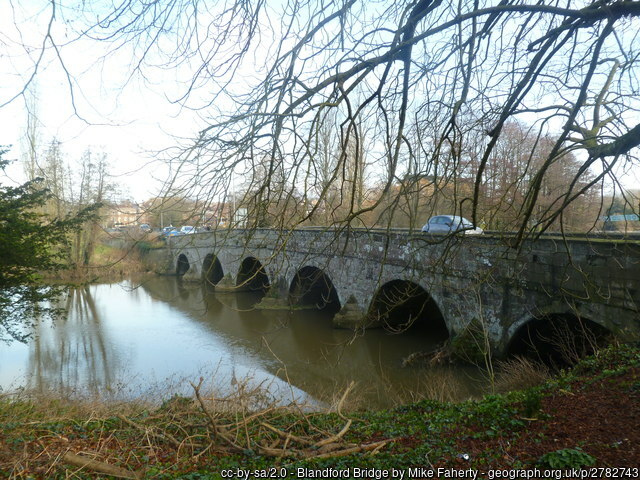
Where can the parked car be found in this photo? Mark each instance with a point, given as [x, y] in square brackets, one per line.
[170, 232]
[188, 229]
[145, 227]
[450, 224]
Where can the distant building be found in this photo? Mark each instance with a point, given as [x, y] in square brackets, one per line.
[215, 215]
[125, 214]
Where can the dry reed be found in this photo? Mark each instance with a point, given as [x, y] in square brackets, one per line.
[519, 373]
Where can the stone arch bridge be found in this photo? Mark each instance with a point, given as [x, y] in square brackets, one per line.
[370, 278]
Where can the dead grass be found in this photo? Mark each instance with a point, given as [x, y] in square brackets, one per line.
[51, 407]
[519, 373]
[51, 435]
[439, 383]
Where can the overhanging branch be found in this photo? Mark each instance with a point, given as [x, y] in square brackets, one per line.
[619, 146]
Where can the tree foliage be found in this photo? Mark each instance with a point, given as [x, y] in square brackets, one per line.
[30, 243]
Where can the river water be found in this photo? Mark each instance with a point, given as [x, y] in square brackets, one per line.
[150, 338]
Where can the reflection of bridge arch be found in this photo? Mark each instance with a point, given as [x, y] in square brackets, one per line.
[401, 304]
[311, 286]
[182, 265]
[212, 271]
[558, 339]
[252, 275]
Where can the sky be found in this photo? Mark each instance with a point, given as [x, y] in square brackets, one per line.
[130, 119]
[131, 123]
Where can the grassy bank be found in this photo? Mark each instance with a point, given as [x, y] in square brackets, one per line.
[586, 417]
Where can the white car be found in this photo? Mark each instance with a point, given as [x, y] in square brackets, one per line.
[187, 229]
[450, 224]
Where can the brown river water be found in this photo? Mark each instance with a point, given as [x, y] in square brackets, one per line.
[149, 339]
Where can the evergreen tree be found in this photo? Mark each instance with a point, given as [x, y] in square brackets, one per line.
[30, 243]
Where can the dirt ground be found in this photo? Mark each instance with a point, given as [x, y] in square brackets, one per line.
[601, 417]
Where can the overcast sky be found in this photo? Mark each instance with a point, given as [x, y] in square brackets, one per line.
[129, 123]
[129, 119]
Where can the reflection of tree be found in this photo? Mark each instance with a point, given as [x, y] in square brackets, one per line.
[74, 355]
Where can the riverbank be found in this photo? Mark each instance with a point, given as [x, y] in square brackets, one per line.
[586, 417]
[112, 259]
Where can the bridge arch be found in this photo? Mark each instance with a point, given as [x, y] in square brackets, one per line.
[558, 339]
[252, 275]
[401, 304]
[212, 271]
[312, 286]
[182, 265]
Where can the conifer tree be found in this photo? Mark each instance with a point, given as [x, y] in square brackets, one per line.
[31, 243]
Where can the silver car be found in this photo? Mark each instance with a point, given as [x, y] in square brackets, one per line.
[450, 224]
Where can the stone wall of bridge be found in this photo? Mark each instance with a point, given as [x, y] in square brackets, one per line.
[466, 277]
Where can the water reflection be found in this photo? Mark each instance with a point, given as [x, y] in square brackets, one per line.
[75, 351]
[303, 348]
[151, 338]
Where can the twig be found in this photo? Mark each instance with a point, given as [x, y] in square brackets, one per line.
[335, 437]
[279, 452]
[160, 435]
[234, 426]
[343, 398]
[285, 435]
[217, 430]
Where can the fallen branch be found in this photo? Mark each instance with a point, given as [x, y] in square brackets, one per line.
[98, 466]
[335, 437]
[332, 445]
[356, 449]
[279, 452]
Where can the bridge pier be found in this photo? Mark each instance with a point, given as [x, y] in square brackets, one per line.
[227, 284]
[276, 298]
[351, 316]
